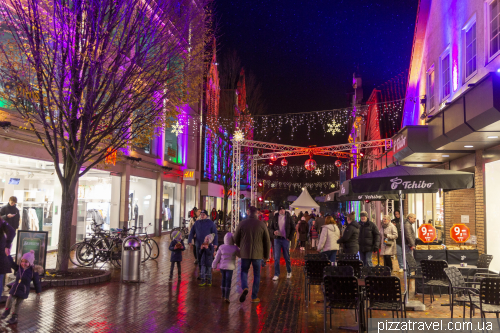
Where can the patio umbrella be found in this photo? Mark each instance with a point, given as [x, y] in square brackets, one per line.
[403, 179]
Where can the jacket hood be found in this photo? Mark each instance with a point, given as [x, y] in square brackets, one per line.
[328, 226]
[228, 239]
[355, 224]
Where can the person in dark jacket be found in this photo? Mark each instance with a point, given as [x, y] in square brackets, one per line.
[252, 237]
[350, 236]
[176, 247]
[282, 229]
[206, 260]
[213, 215]
[201, 229]
[369, 239]
[10, 214]
[7, 234]
[302, 229]
[26, 272]
[399, 243]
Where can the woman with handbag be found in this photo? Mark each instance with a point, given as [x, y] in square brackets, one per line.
[388, 234]
[330, 234]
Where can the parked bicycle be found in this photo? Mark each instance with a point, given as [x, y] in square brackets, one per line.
[184, 230]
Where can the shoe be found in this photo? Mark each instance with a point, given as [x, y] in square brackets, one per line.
[400, 270]
[209, 283]
[196, 262]
[198, 278]
[243, 296]
[275, 278]
[227, 300]
[13, 319]
[288, 275]
[203, 283]
[171, 277]
[179, 276]
[256, 300]
[5, 314]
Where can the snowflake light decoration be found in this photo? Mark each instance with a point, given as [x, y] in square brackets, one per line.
[273, 185]
[333, 127]
[238, 135]
[177, 128]
[318, 171]
[332, 185]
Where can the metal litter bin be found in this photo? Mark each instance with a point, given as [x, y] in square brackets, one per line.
[131, 259]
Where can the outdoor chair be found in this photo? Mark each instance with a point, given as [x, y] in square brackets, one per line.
[348, 256]
[412, 267]
[341, 292]
[433, 276]
[355, 264]
[489, 296]
[384, 293]
[338, 271]
[316, 256]
[375, 271]
[483, 267]
[313, 272]
[459, 291]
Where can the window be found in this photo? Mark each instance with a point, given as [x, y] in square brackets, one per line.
[470, 50]
[445, 75]
[171, 147]
[494, 24]
[430, 90]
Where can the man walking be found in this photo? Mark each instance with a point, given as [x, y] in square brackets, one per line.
[282, 228]
[252, 237]
[320, 221]
[409, 233]
[369, 239]
[10, 213]
[201, 229]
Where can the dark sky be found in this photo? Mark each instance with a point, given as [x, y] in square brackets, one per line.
[305, 52]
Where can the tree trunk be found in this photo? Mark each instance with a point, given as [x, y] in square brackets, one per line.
[68, 184]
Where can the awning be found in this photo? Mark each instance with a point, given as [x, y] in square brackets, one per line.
[346, 194]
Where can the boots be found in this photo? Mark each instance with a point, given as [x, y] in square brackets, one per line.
[13, 319]
[5, 314]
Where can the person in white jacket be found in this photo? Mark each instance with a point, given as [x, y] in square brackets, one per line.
[226, 255]
[330, 233]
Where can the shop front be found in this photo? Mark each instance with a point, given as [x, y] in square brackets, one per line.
[142, 203]
[171, 206]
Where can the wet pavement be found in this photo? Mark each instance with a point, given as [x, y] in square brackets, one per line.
[180, 305]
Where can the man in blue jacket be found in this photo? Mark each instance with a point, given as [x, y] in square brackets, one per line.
[201, 229]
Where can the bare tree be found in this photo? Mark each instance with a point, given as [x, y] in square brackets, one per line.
[92, 78]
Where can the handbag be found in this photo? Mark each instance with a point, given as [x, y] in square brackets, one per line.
[388, 242]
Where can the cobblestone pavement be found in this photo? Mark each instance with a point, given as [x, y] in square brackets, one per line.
[180, 305]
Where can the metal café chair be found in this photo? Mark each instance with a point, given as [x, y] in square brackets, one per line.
[341, 292]
[338, 271]
[384, 293]
[459, 290]
[433, 276]
[348, 256]
[313, 272]
[483, 267]
[489, 296]
[315, 256]
[355, 264]
[375, 271]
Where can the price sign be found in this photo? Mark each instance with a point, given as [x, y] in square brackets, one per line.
[427, 233]
[460, 233]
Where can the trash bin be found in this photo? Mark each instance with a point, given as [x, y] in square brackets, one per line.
[131, 259]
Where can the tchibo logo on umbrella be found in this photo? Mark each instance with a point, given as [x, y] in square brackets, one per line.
[395, 182]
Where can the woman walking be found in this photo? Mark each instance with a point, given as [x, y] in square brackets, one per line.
[303, 229]
[330, 234]
[388, 235]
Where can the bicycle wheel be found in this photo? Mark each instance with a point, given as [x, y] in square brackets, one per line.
[147, 252]
[85, 254]
[73, 254]
[115, 255]
[172, 233]
[155, 249]
[102, 250]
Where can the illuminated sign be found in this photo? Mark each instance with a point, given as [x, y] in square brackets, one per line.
[188, 174]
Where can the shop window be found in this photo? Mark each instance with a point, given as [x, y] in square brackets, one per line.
[171, 147]
[190, 199]
[494, 28]
[445, 76]
[470, 49]
[430, 90]
[171, 205]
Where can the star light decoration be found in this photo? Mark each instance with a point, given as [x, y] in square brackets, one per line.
[177, 128]
[273, 185]
[333, 127]
[238, 135]
[318, 172]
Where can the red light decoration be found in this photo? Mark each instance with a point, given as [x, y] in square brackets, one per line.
[271, 163]
[338, 163]
[260, 184]
[284, 162]
[310, 164]
[274, 157]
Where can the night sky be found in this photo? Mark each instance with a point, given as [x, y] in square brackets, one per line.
[305, 52]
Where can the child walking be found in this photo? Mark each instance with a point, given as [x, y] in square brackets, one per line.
[314, 234]
[26, 272]
[206, 259]
[176, 247]
[226, 255]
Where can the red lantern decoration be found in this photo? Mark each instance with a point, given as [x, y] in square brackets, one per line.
[274, 157]
[284, 162]
[310, 164]
[338, 163]
[271, 163]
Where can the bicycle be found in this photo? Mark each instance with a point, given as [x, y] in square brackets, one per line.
[151, 245]
[183, 230]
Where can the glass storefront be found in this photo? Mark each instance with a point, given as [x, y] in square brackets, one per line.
[428, 208]
[190, 200]
[38, 193]
[99, 201]
[492, 186]
[142, 202]
[171, 206]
